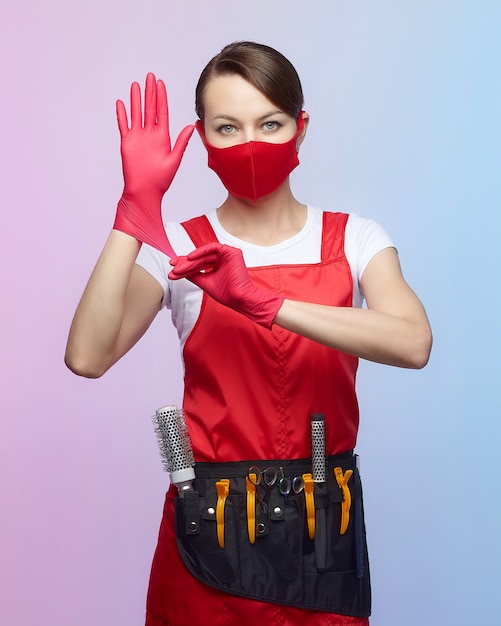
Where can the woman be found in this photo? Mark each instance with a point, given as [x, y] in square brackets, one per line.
[266, 295]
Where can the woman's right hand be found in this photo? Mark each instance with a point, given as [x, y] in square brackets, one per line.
[149, 164]
[221, 272]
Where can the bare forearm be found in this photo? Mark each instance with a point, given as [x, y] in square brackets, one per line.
[99, 316]
[368, 334]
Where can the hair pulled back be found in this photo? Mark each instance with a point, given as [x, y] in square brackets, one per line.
[263, 67]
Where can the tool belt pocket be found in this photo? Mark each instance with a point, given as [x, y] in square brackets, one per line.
[303, 547]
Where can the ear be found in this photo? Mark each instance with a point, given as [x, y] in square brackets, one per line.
[306, 118]
[199, 125]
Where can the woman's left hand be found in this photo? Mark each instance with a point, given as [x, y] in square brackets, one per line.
[221, 272]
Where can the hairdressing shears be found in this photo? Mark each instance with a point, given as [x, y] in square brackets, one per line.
[268, 477]
[286, 485]
[271, 476]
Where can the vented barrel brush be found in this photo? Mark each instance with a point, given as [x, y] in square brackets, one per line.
[175, 446]
[319, 477]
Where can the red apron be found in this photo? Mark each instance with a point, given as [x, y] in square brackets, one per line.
[249, 394]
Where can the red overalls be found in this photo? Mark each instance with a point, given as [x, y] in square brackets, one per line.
[249, 394]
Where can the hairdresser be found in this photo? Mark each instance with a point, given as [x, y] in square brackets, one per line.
[266, 294]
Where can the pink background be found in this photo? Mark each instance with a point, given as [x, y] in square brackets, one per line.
[404, 99]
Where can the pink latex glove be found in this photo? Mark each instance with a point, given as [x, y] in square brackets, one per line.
[149, 165]
[220, 271]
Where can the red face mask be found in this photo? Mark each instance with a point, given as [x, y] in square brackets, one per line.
[256, 168]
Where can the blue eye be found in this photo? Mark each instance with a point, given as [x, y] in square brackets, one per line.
[226, 129]
[272, 125]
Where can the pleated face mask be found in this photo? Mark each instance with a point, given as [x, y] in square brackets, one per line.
[253, 169]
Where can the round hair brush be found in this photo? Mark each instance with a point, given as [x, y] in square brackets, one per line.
[319, 477]
[175, 446]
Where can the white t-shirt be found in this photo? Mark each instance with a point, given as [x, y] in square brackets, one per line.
[364, 238]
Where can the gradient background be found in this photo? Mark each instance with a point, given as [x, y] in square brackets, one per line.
[404, 98]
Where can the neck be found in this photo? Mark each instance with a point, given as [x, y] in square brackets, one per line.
[268, 221]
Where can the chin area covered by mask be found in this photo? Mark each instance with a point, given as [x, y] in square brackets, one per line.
[253, 169]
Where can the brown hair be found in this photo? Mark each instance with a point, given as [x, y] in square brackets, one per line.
[264, 67]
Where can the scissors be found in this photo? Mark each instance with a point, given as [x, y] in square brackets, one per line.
[286, 485]
[269, 477]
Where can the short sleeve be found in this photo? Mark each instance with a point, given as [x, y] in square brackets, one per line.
[157, 263]
[364, 238]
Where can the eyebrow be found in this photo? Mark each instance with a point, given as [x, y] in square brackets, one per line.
[230, 118]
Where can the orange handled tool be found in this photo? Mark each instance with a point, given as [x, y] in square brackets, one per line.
[310, 504]
[251, 506]
[223, 489]
[342, 481]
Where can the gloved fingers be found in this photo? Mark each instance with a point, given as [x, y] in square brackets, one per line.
[201, 253]
[183, 267]
[182, 270]
[182, 142]
[213, 250]
[162, 112]
[206, 259]
[123, 123]
[136, 116]
[196, 277]
[163, 123]
[207, 250]
[150, 101]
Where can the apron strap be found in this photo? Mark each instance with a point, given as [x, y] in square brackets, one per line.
[199, 230]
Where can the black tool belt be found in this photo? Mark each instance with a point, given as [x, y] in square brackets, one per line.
[291, 542]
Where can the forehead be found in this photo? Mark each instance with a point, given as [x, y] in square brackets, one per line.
[232, 95]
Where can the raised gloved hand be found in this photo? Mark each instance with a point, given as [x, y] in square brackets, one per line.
[149, 165]
[220, 271]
